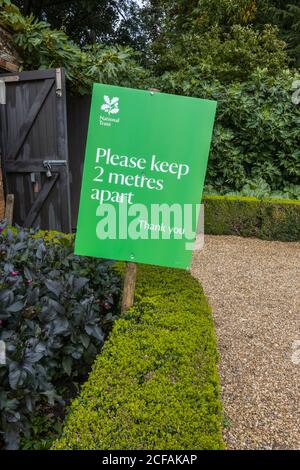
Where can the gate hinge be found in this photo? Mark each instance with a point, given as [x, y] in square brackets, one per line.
[10, 78]
[3, 81]
[2, 92]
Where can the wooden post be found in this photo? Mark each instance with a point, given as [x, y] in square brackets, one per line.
[9, 208]
[129, 287]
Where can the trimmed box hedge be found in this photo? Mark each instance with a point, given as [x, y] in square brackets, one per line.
[269, 219]
[155, 385]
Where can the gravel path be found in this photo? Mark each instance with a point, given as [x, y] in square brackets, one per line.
[254, 290]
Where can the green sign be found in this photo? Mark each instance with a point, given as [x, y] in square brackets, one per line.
[144, 171]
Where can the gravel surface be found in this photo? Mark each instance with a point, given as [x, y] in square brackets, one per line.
[254, 290]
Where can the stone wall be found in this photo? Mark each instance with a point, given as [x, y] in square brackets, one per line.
[9, 57]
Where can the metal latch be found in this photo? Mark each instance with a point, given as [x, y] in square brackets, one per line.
[3, 81]
[48, 164]
[48, 169]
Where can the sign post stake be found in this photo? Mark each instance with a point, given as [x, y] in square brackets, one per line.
[129, 287]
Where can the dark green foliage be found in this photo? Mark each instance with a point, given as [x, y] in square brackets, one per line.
[269, 219]
[257, 129]
[215, 39]
[228, 57]
[54, 310]
[285, 14]
[199, 16]
[155, 385]
[208, 49]
[84, 21]
[259, 188]
[43, 47]
[45, 427]
[197, 19]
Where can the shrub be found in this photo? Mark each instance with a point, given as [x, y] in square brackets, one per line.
[226, 56]
[54, 310]
[257, 128]
[43, 47]
[269, 219]
[155, 385]
[258, 188]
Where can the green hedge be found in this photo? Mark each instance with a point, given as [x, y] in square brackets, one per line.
[269, 219]
[155, 384]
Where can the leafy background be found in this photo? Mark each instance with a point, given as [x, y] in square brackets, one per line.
[244, 54]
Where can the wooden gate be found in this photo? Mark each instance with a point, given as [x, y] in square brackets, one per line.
[34, 148]
[78, 111]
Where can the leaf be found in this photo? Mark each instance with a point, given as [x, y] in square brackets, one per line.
[85, 340]
[28, 401]
[34, 357]
[79, 283]
[27, 274]
[40, 251]
[52, 396]
[16, 377]
[12, 440]
[19, 246]
[35, 354]
[47, 315]
[61, 325]
[4, 316]
[106, 99]
[33, 296]
[10, 404]
[54, 287]
[67, 365]
[6, 295]
[57, 307]
[114, 101]
[95, 331]
[13, 417]
[77, 354]
[114, 111]
[16, 307]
